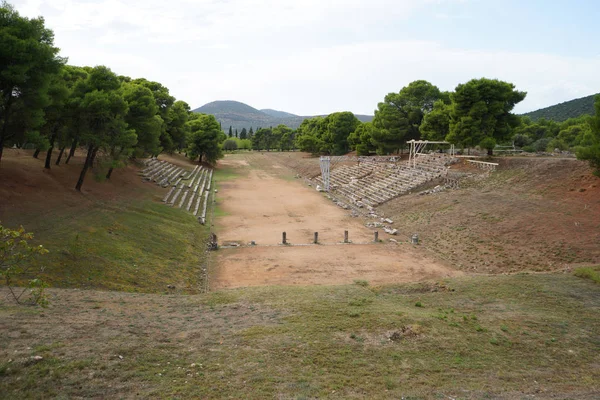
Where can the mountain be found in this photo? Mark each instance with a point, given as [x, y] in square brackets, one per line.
[239, 115]
[278, 114]
[563, 111]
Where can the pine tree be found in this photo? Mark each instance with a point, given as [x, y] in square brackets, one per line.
[236, 132]
[230, 131]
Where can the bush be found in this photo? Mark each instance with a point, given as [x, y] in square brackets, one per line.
[541, 144]
[230, 145]
[592, 273]
[16, 256]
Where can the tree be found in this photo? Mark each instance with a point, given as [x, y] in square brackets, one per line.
[284, 136]
[230, 145]
[104, 109]
[55, 113]
[250, 133]
[482, 108]
[244, 133]
[591, 151]
[257, 140]
[143, 117]
[230, 134]
[178, 128]
[436, 124]
[309, 135]
[236, 132]
[338, 126]
[164, 101]
[28, 59]
[398, 118]
[204, 138]
[361, 139]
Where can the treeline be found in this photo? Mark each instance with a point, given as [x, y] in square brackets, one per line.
[50, 105]
[477, 114]
[563, 111]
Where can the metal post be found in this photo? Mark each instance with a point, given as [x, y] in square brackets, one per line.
[283, 238]
[316, 240]
[376, 236]
[345, 236]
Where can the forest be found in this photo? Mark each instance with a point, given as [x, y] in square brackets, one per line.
[58, 108]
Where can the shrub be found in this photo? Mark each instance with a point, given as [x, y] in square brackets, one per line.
[230, 145]
[541, 144]
[16, 256]
[592, 273]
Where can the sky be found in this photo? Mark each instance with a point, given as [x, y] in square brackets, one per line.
[311, 57]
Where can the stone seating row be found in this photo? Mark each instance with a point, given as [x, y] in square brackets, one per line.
[381, 183]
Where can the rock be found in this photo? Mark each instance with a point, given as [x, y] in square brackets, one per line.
[319, 188]
[37, 358]
[393, 240]
[389, 221]
[216, 191]
[170, 287]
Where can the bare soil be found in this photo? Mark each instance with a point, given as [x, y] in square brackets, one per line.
[260, 200]
[325, 265]
[531, 214]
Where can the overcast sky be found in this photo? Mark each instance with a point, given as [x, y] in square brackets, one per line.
[312, 57]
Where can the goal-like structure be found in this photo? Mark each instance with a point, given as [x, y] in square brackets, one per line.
[417, 148]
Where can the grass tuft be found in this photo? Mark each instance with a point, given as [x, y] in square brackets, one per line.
[591, 273]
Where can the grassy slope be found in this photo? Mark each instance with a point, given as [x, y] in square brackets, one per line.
[473, 337]
[116, 235]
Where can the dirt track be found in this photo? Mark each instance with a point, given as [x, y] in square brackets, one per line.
[261, 203]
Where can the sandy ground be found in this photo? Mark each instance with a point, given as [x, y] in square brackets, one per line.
[324, 265]
[260, 204]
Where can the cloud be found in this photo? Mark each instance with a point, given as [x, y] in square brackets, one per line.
[302, 56]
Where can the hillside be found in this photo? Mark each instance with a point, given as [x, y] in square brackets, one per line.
[239, 115]
[563, 111]
[278, 114]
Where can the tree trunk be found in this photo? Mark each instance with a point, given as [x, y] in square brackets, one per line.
[1, 145]
[36, 153]
[60, 154]
[490, 152]
[108, 174]
[49, 153]
[72, 151]
[86, 166]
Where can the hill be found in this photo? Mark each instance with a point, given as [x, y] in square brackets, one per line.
[278, 114]
[239, 115]
[563, 111]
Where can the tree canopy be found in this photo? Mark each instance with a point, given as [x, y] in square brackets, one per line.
[481, 108]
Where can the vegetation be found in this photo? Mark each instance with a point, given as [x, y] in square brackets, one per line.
[588, 138]
[46, 103]
[592, 273]
[474, 337]
[564, 111]
[16, 265]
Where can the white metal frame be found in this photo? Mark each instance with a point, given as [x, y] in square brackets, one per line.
[417, 147]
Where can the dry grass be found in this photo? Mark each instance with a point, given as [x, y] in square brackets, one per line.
[473, 337]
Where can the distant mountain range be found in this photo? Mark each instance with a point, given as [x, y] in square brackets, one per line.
[563, 111]
[239, 115]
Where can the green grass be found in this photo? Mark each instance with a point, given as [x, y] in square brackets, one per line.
[480, 337]
[134, 246]
[592, 273]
